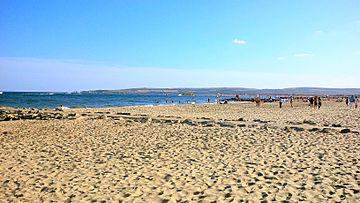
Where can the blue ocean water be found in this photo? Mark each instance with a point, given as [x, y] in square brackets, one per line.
[95, 100]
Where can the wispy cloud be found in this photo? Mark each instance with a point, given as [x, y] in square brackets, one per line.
[318, 32]
[303, 55]
[281, 58]
[239, 41]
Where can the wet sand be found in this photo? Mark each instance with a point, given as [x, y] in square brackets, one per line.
[191, 153]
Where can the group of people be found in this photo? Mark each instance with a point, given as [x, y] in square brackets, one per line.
[282, 100]
[315, 102]
[352, 101]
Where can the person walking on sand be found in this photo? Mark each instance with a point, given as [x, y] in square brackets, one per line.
[352, 101]
[347, 101]
[311, 101]
[315, 102]
[319, 102]
[291, 101]
[280, 102]
[257, 100]
[356, 102]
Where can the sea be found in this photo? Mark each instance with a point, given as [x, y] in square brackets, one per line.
[98, 100]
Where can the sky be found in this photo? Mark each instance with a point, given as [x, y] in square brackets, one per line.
[83, 45]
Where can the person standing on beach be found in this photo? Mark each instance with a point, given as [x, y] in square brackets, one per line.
[352, 102]
[291, 101]
[347, 101]
[319, 102]
[257, 100]
[311, 101]
[315, 102]
[356, 102]
[280, 102]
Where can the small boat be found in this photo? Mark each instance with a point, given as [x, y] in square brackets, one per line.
[188, 94]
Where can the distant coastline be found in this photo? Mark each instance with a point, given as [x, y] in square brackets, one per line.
[236, 90]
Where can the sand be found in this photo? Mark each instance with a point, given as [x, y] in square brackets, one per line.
[190, 153]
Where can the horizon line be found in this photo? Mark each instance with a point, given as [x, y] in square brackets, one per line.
[169, 88]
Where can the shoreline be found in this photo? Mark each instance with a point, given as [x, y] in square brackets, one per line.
[131, 106]
[105, 100]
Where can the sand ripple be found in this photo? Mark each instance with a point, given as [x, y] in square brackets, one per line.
[168, 154]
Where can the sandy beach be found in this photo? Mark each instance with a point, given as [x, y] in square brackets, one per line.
[188, 153]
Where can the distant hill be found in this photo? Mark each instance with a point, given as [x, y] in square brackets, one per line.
[236, 90]
[311, 91]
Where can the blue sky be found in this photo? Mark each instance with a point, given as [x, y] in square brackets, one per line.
[80, 45]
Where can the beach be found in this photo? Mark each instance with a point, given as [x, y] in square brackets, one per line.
[181, 153]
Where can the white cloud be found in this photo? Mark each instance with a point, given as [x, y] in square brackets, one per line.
[281, 58]
[239, 41]
[303, 55]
